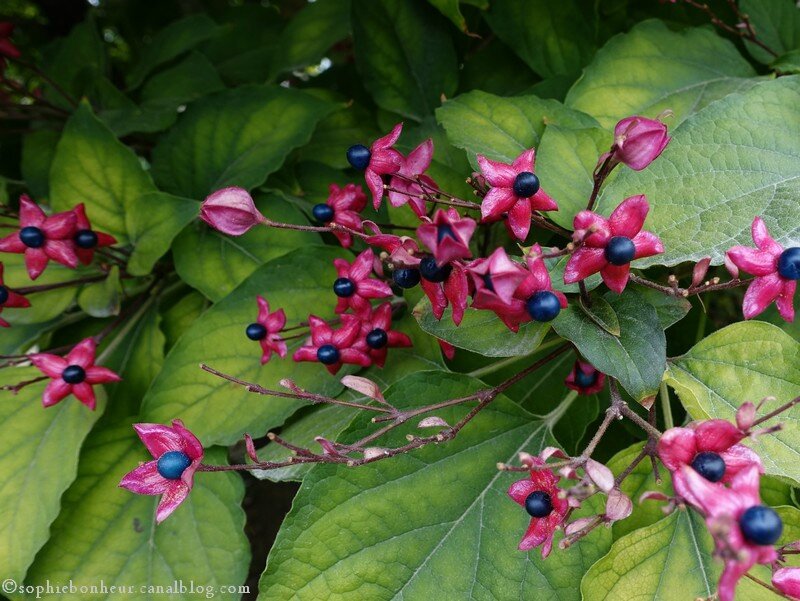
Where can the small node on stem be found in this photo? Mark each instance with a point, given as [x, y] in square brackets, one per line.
[272, 435]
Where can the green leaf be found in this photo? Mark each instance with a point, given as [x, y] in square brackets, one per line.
[481, 332]
[154, 221]
[655, 562]
[602, 314]
[309, 34]
[189, 80]
[74, 62]
[735, 159]
[565, 162]
[746, 361]
[234, 138]
[452, 10]
[300, 284]
[787, 64]
[336, 132]
[399, 528]
[38, 150]
[180, 316]
[106, 533]
[669, 308]
[776, 23]
[552, 37]
[652, 68]
[38, 462]
[502, 128]
[228, 260]
[44, 305]
[172, 41]
[405, 55]
[93, 167]
[103, 298]
[637, 357]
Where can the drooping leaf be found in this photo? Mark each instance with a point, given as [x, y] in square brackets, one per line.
[103, 298]
[416, 533]
[776, 23]
[502, 128]
[554, 38]
[735, 159]
[109, 533]
[637, 357]
[405, 55]
[38, 150]
[234, 138]
[38, 462]
[93, 167]
[452, 10]
[300, 283]
[746, 361]
[652, 68]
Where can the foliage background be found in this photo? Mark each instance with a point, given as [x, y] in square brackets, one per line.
[182, 98]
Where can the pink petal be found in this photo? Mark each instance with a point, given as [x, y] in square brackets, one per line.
[538, 532]
[628, 218]
[762, 238]
[761, 292]
[519, 218]
[61, 251]
[601, 230]
[50, 365]
[752, 260]
[436, 296]
[145, 480]
[374, 289]
[541, 201]
[615, 276]
[496, 173]
[389, 139]
[375, 185]
[716, 435]
[362, 266]
[677, 447]
[82, 353]
[746, 484]
[730, 577]
[16, 301]
[347, 334]
[419, 159]
[787, 580]
[583, 263]
[525, 161]
[191, 445]
[711, 497]
[159, 439]
[172, 497]
[520, 490]
[60, 226]
[101, 375]
[355, 357]
[30, 214]
[738, 458]
[305, 353]
[785, 302]
[35, 262]
[496, 202]
[647, 244]
[55, 391]
[12, 244]
[276, 321]
[85, 394]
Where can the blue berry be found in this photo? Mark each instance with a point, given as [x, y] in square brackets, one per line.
[430, 271]
[3, 295]
[256, 331]
[620, 250]
[73, 374]
[543, 306]
[761, 525]
[322, 212]
[86, 239]
[487, 282]
[538, 504]
[32, 237]
[172, 464]
[344, 287]
[526, 184]
[328, 354]
[709, 465]
[358, 156]
[377, 339]
[789, 263]
[585, 380]
[444, 231]
[406, 277]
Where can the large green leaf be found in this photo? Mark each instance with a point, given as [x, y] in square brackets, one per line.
[234, 138]
[190, 79]
[637, 357]
[652, 68]
[300, 283]
[38, 150]
[405, 54]
[735, 159]
[399, 528]
[776, 23]
[502, 128]
[554, 38]
[105, 533]
[38, 462]
[73, 62]
[93, 167]
[228, 260]
[746, 361]
[44, 305]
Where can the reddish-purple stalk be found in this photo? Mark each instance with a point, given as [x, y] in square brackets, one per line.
[742, 30]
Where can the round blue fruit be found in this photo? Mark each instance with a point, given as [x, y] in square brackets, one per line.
[172, 464]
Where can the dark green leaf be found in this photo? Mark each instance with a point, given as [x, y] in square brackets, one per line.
[776, 23]
[103, 298]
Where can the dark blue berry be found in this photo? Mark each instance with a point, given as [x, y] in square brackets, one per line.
[444, 231]
[789, 263]
[538, 504]
[256, 331]
[322, 212]
[328, 354]
[32, 237]
[761, 525]
[406, 277]
[526, 184]
[709, 465]
[487, 282]
[543, 306]
[358, 156]
[620, 250]
[86, 239]
[3, 295]
[584, 380]
[430, 271]
[172, 464]
[73, 374]
[344, 287]
[377, 339]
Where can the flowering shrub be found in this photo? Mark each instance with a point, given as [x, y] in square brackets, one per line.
[507, 288]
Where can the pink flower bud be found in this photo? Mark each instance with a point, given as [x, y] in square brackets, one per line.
[745, 416]
[639, 141]
[618, 506]
[600, 475]
[251, 447]
[231, 211]
[700, 270]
